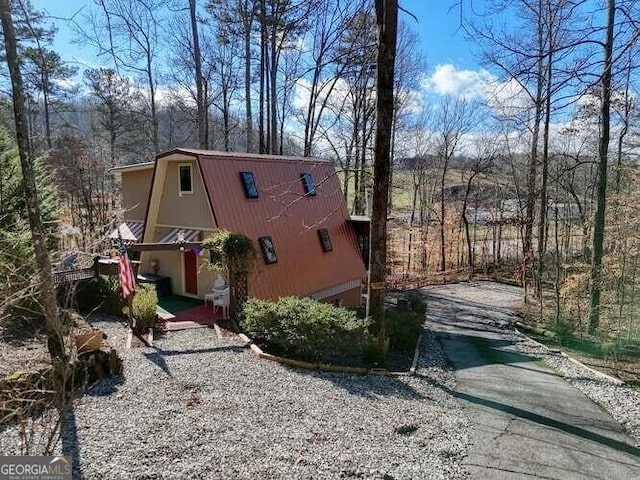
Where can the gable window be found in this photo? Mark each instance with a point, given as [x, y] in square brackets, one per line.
[308, 184]
[325, 240]
[186, 181]
[249, 184]
[268, 250]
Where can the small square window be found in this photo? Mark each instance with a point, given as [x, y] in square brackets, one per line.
[325, 240]
[186, 185]
[268, 251]
[308, 184]
[249, 184]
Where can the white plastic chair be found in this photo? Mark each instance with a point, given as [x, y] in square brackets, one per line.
[219, 298]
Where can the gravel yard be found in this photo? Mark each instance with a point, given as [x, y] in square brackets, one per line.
[200, 407]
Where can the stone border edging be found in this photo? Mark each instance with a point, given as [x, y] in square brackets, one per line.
[598, 373]
[614, 380]
[257, 351]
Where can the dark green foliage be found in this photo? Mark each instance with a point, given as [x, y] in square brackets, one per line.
[230, 250]
[404, 326]
[99, 294]
[17, 261]
[305, 328]
[564, 329]
[144, 305]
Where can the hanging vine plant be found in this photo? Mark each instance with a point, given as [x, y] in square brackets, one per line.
[234, 253]
[230, 251]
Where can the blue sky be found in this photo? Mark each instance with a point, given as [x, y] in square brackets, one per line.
[437, 26]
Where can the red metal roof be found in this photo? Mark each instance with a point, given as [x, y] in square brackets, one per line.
[291, 218]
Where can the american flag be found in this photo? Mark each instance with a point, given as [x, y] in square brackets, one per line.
[127, 278]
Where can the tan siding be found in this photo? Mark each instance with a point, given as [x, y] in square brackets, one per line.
[135, 193]
[188, 210]
[206, 279]
[170, 265]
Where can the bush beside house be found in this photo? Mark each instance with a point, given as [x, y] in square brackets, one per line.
[305, 328]
[144, 306]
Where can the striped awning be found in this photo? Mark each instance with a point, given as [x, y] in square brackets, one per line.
[130, 231]
[182, 235]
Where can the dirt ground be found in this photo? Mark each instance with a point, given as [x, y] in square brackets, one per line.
[22, 346]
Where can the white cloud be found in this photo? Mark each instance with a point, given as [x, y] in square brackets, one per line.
[448, 80]
[505, 97]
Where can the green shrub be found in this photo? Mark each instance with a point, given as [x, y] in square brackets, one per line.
[99, 294]
[564, 328]
[404, 326]
[609, 350]
[144, 305]
[417, 304]
[304, 327]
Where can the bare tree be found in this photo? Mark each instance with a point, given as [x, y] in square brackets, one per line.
[203, 140]
[387, 21]
[129, 32]
[603, 152]
[455, 118]
[328, 66]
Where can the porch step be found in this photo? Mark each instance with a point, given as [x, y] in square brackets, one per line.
[163, 315]
[185, 325]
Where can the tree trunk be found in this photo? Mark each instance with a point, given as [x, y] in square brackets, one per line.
[603, 150]
[527, 244]
[55, 341]
[273, 94]
[47, 113]
[247, 83]
[445, 167]
[197, 61]
[387, 21]
[465, 223]
[154, 111]
[263, 48]
[542, 221]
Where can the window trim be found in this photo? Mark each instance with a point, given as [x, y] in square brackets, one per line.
[308, 184]
[263, 246]
[325, 240]
[180, 191]
[246, 187]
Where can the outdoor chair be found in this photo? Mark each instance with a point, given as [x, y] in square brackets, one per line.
[219, 298]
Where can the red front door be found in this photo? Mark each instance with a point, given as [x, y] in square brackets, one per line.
[190, 273]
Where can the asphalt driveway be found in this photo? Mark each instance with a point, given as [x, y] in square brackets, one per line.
[527, 421]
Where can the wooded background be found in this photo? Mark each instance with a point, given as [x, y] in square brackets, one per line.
[534, 180]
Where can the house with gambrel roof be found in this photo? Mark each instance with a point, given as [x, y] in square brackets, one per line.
[292, 208]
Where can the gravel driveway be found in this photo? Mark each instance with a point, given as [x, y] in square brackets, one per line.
[528, 420]
[200, 407]
[495, 304]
